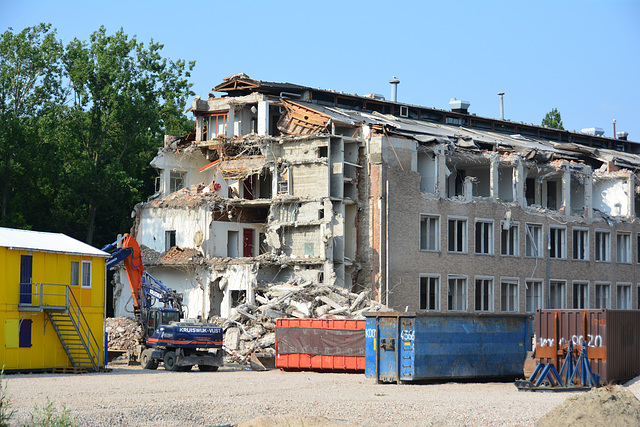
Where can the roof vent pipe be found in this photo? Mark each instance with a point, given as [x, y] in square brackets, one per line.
[622, 135]
[459, 106]
[394, 88]
[501, 94]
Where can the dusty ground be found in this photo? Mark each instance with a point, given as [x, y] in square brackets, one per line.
[132, 396]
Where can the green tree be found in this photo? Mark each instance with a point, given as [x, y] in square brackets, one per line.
[123, 98]
[30, 87]
[553, 120]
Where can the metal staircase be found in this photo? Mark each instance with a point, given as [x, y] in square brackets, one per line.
[66, 316]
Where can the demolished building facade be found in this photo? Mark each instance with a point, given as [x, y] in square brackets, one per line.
[425, 209]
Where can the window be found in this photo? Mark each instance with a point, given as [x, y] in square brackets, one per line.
[580, 244]
[638, 251]
[557, 294]
[509, 295]
[169, 239]
[509, 239]
[75, 273]
[217, 125]
[430, 293]
[458, 235]
[602, 246]
[86, 274]
[623, 248]
[623, 296]
[533, 295]
[484, 294]
[484, 237]
[457, 297]
[176, 181]
[558, 242]
[283, 179]
[603, 291]
[534, 241]
[429, 233]
[581, 295]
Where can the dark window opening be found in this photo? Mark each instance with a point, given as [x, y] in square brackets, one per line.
[323, 152]
[169, 239]
[355, 104]
[530, 191]
[380, 108]
[323, 98]
[237, 298]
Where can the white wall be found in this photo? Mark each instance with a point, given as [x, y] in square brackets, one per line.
[611, 197]
[186, 223]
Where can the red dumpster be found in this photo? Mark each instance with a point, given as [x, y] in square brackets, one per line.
[325, 345]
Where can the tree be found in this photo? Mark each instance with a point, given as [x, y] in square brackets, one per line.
[553, 120]
[123, 96]
[30, 87]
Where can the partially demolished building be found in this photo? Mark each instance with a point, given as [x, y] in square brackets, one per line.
[427, 209]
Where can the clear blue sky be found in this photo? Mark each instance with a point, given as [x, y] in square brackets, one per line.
[582, 57]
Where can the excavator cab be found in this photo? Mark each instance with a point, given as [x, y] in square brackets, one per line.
[161, 316]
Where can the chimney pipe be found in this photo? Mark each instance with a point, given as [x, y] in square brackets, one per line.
[622, 135]
[614, 129]
[394, 88]
[501, 105]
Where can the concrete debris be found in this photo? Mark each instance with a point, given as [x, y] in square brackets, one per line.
[123, 333]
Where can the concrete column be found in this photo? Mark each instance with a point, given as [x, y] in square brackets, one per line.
[468, 188]
[441, 172]
[631, 192]
[263, 118]
[588, 195]
[518, 184]
[494, 176]
[566, 189]
[199, 129]
[230, 123]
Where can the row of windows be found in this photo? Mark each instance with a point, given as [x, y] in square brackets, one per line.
[509, 287]
[510, 235]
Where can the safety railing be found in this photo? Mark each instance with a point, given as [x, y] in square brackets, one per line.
[60, 298]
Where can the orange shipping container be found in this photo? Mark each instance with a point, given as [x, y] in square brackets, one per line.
[328, 345]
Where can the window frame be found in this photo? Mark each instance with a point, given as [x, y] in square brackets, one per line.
[598, 247]
[176, 176]
[489, 250]
[465, 235]
[429, 277]
[598, 298]
[510, 282]
[490, 299]
[628, 296]
[562, 242]
[169, 239]
[563, 301]
[516, 245]
[585, 294]
[452, 299]
[585, 243]
[83, 284]
[529, 296]
[424, 218]
[75, 276]
[627, 259]
[529, 238]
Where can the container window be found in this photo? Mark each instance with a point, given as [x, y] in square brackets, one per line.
[509, 296]
[458, 235]
[580, 244]
[602, 294]
[534, 295]
[581, 295]
[484, 294]
[86, 274]
[74, 279]
[558, 243]
[484, 237]
[509, 240]
[602, 246]
[430, 293]
[557, 294]
[623, 248]
[457, 295]
[429, 233]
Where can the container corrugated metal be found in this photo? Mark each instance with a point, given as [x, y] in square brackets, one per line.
[612, 337]
[404, 347]
[329, 345]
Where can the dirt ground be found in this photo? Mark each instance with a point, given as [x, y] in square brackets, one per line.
[129, 395]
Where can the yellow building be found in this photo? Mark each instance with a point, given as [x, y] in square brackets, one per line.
[52, 302]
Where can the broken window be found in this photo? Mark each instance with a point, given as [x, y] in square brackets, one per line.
[323, 152]
[176, 181]
[429, 233]
[484, 294]
[430, 293]
[509, 240]
[557, 294]
[623, 248]
[530, 191]
[456, 183]
[533, 295]
[580, 295]
[283, 179]
[237, 298]
[534, 241]
[427, 171]
[232, 243]
[484, 237]
[216, 126]
[169, 239]
[580, 244]
[603, 291]
[558, 242]
[509, 295]
[457, 295]
[457, 235]
[623, 296]
[262, 242]
[602, 246]
[505, 183]
[552, 194]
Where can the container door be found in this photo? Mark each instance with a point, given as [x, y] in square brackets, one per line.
[407, 349]
[25, 279]
[388, 349]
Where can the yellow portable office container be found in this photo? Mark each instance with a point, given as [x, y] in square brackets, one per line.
[52, 302]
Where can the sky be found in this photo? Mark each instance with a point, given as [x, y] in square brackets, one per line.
[581, 57]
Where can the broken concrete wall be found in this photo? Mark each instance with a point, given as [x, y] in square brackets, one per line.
[189, 224]
[611, 194]
[186, 163]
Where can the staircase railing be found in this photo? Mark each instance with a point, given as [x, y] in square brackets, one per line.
[59, 298]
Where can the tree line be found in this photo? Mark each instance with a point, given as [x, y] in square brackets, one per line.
[79, 125]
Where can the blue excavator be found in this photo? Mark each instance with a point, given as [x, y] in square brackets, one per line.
[166, 338]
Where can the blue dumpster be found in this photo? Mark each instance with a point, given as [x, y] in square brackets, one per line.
[404, 347]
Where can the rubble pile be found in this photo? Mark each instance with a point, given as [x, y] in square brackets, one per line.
[251, 327]
[123, 333]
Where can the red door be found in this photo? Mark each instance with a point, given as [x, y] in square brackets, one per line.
[247, 247]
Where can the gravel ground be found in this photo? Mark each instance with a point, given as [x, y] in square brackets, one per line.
[130, 395]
